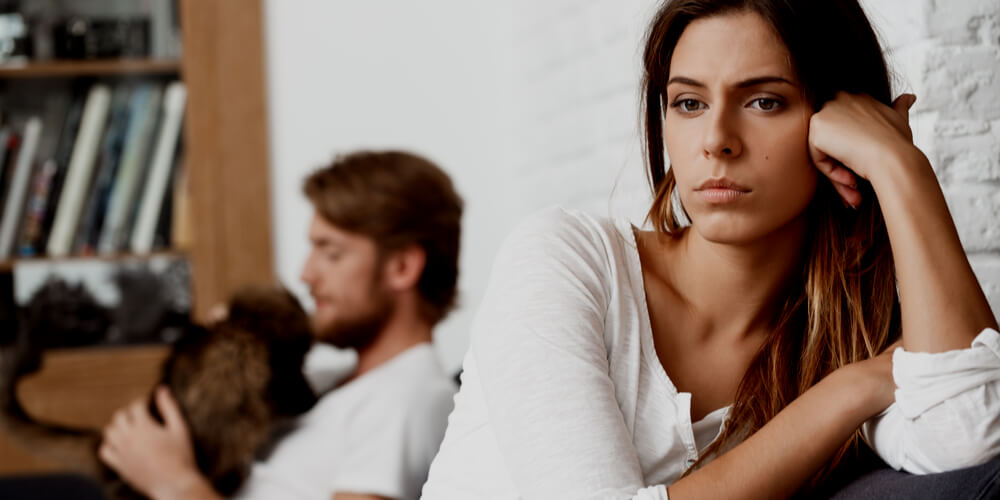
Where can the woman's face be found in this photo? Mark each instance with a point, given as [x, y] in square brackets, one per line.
[736, 128]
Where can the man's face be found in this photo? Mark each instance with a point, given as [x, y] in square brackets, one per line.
[344, 275]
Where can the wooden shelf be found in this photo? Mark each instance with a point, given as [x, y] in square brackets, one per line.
[80, 388]
[8, 265]
[89, 68]
[83, 387]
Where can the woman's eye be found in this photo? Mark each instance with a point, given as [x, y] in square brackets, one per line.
[688, 105]
[765, 104]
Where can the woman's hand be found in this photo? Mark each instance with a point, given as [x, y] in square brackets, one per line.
[158, 460]
[852, 134]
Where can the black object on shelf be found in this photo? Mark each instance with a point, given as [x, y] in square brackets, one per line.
[101, 38]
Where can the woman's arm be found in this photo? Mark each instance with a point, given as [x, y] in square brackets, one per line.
[779, 458]
[943, 307]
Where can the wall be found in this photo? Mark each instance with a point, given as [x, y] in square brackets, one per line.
[529, 104]
[948, 54]
[430, 76]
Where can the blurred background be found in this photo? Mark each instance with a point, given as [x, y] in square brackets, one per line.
[202, 119]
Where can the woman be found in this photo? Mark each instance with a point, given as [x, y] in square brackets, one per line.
[737, 357]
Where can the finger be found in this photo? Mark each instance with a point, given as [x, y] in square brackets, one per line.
[108, 455]
[850, 195]
[903, 103]
[114, 438]
[815, 154]
[137, 412]
[171, 412]
[837, 172]
[120, 420]
[842, 175]
[219, 313]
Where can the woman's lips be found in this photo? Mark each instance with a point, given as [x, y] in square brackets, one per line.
[721, 191]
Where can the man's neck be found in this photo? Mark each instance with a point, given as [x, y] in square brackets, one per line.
[400, 333]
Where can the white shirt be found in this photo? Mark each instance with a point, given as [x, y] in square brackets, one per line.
[376, 434]
[563, 395]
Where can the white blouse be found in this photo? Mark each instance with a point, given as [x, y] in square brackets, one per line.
[563, 395]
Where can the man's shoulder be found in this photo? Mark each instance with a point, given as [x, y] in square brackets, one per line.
[418, 378]
[411, 380]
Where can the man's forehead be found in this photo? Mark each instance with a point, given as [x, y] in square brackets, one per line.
[322, 230]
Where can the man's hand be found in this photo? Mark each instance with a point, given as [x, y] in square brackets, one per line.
[158, 460]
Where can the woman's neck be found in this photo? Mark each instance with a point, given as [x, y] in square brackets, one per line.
[734, 290]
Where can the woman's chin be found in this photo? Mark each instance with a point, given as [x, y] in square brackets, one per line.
[744, 230]
[726, 230]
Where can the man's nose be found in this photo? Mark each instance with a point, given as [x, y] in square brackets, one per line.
[307, 275]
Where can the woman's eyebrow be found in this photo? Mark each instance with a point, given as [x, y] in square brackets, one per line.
[750, 82]
[764, 79]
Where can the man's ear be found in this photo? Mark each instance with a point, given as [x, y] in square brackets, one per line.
[404, 267]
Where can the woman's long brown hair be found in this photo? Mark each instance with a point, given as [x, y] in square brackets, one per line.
[842, 307]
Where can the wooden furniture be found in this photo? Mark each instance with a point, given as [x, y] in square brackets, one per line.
[226, 154]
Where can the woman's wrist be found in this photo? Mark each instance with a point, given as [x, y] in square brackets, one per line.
[901, 172]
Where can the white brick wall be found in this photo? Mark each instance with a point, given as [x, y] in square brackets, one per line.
[948, 53]
[577, 117]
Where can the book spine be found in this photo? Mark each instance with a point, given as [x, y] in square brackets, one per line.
[19, 186]
[61, 157]
[104, 175]
[34, 217]
[7, 158]
[159, 174]
[81, 167]
[145, 101]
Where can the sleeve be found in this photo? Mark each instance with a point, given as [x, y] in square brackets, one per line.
[947, 410]
[538, 341]
[392, 457]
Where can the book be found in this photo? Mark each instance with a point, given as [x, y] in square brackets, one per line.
[89, 232]
[144, 108]
[55, 112]
[10, 145]
[34, 212]
[80, 170]
[165, 222]
[160, 167]
[36, 232]
[19, 185]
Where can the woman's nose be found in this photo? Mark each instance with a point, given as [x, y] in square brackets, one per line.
[721, 139]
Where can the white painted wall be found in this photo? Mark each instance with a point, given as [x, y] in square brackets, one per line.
[429, 76]
[531, 103]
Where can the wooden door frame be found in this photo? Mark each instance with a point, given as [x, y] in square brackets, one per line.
[226, 147]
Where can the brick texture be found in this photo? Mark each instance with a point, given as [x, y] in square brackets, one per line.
[576, 126]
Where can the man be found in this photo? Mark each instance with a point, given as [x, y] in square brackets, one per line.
[382, 271]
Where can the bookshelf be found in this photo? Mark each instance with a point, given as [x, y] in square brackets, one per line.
[49, 69]
[226, 157]
[7, 266]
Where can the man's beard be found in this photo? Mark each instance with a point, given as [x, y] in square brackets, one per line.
[360, 330]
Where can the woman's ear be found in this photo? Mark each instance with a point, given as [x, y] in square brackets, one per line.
[404, 267]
